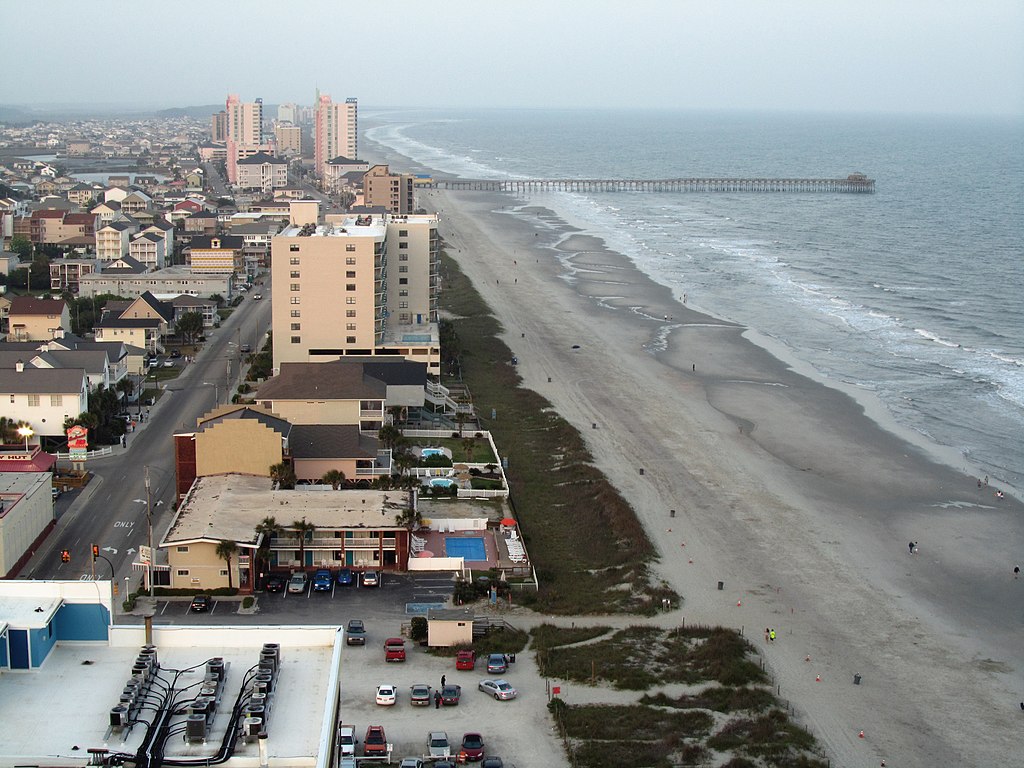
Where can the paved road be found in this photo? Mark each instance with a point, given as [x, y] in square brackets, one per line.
[111, 510]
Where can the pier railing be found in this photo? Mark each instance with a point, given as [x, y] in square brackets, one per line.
[854, 183]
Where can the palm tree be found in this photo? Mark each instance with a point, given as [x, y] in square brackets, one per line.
[468, 445]
[404, 461]
[9, 430]
[334, 477]
[302, 527]
[225, 551]
[267, 529]
[390, 436]
[283, 475]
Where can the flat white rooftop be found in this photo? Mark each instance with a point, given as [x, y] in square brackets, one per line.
[55, 714]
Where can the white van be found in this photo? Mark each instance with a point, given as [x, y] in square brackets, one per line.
[346, 740]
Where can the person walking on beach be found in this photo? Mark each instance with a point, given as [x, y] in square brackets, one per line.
[771, 636]
[1016, 571]
[767, 633]
[442, 680]
[437, 699]
[913, 547]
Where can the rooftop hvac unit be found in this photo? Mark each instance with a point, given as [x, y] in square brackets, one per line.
[251, 726]
[215, 667]
[254, 710]
[127, 700]
[276, 648]
[199, 707]
[211, 704]
[268, 659]
[195, 728]
[266, 666]
[211, 680]
[118, 717]
[258, 698]
[209, 691]
[267, 679]
[261, 687]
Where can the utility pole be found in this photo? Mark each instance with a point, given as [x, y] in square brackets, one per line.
[149, 524]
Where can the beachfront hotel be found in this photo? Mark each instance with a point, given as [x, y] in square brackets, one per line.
[244, 124]
[359, 283]
[334, 131]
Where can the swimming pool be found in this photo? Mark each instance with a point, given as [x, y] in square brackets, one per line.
[441, 482]
[425, 452]
[471, 548]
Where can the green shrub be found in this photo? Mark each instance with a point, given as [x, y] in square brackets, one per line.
[418, 629]
[248, 601]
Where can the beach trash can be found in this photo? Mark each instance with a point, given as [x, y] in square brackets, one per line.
[721, 586]
[856, 679]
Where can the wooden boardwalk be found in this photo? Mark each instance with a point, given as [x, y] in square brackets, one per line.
[854, 183]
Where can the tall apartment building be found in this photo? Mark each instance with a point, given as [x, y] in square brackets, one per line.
[289, 138]
[334, 131]
[219, 126]
[245, 132]
[359, 284]
[390, 190]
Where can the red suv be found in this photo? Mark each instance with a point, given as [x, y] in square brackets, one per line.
[394, 649]
[465, 659]
[375, 742]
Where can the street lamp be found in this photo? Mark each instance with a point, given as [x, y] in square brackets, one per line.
[148, 501]
[25, 432]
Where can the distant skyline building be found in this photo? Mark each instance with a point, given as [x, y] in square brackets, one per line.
[289, 138]
[334, 131]
[244, 132]
[393, 191]
[287, 113]
[219, 126]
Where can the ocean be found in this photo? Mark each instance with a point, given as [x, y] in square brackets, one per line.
[912, 294]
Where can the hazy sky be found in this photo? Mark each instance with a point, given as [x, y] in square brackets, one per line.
[942, 56]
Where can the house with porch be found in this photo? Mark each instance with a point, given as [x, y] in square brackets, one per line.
[32, 319]
[43, 397]
[142, 322]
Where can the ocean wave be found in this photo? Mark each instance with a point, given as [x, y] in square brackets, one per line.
[936, 338]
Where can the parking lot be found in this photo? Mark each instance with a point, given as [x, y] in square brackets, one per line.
[519, 731]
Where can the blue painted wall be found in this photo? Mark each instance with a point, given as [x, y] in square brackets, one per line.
[81, 622]
[41, 643]
[19, 648]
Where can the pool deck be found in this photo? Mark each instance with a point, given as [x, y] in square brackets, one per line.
[494, 544]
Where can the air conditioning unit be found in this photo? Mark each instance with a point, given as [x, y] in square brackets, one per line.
[195, 728]
[119, 717]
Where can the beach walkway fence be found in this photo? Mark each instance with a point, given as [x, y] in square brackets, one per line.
[854, 183]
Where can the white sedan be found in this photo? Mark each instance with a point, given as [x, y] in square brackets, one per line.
[387, 695]
[499, 689]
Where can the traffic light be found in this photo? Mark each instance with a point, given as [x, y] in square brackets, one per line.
[65, 555]
[95, 552]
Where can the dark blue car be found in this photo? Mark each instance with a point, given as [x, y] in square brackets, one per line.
[345, 577]
[322, 581]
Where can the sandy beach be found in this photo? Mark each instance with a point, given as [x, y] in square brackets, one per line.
[784, 490]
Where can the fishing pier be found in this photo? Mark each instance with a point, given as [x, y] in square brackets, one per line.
[856, 183]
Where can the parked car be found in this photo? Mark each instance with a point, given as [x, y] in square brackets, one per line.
[387, 695]
[438, 744]
[465, 659]
[394, 649]
[375, 742]
[245, 349]
[168, 363]
[497, 664]
[200, 604]
[444, 764]
[355, 634]
[345, 578]
[274, 584]
[175, 353]
[499, 689]
[297, 583]
[347, 739]
[492, 762]
[54, 492]
[371, 579]
[420, 695]
[257, 296]
[322, 580]
[450, 695]
[472, 748]
[411, 762]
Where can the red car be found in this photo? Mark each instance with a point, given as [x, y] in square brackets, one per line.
[375, 742]
[472, 748]
[465, 659]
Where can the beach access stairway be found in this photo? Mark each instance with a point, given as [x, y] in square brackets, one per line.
[441, 396]
[854, 183]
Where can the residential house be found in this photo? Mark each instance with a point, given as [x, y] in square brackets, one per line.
[149, 249]
[9, 261]
[201, 223]
[33, 319]
[106, 211]
[66, 274]
[133, 281]
[262, 172]
[218, 254]
[184, 304]
[82, 194]
[44, 398]
[115, 193]
[113, 240]
[142, 322]
[135, 202]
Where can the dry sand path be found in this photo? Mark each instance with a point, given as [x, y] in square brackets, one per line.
[783, 490]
